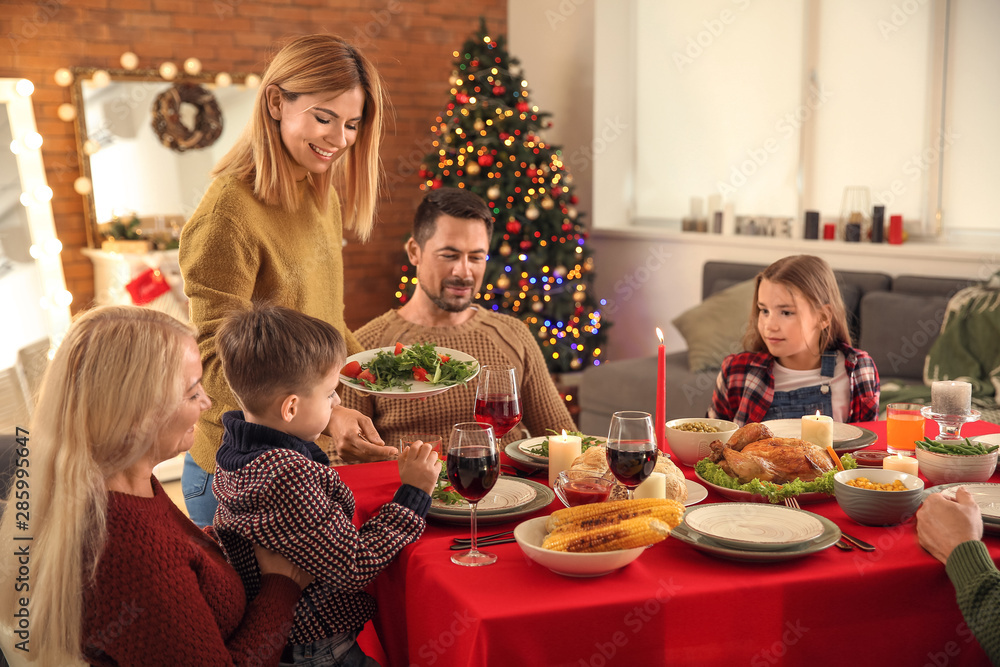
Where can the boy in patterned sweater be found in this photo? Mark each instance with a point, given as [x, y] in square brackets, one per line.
[276, 488]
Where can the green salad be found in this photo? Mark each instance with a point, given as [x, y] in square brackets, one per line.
[444, 491]
[775, 493]
[399, 368]
[586, 442]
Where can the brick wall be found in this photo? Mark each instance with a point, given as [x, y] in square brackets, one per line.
[411, 42]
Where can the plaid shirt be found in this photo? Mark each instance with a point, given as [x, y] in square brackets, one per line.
[744, 389]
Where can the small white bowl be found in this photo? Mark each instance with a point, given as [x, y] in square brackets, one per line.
[692, 446]
[878, 508]
[531, 533]
[947, 468]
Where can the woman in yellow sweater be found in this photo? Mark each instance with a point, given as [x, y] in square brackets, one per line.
[270, 227]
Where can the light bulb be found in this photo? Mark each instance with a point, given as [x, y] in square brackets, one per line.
[82, 185]
[90, 147]
[16, 147]
[66, 112]
[33, 141]
[24, 88]
[62, 298]
[42, 194]
[252, 81]
[129, 60]
[192, 66]
[26, 199]
[168, 70]
[100, 78]
[63, 77]
[35, 251]
[222, 79]
[52, 246]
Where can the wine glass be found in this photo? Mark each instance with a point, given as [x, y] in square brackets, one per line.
[498, 399]
[473, 465]
[631, 448]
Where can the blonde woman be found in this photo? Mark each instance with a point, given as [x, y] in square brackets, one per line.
[116, 574]
[270, 227]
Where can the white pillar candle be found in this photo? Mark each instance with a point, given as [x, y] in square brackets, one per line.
[563, 450]
[818, 429]
[899, 463]
[950, 397]
[655, 486]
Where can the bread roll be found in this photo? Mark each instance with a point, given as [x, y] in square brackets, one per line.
[595, 460]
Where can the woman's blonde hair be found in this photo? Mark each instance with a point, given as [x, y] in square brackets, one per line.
[311, 65]
[813, 279]
[113, 383]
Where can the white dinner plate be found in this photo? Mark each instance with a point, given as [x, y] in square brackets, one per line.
[696, 492]
[831, 533]
[506, 494]
[986, 495]
[459, 514]
[754, 527]
[416, 389]
[846, 437]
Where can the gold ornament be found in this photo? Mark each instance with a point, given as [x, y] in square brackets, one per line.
[472, 168]
[537, 306]
[505, 249]
[479, 125]
[547, 203]
[494, 192]
[503, 282]
[531, 213]
[579, 296]
[572, 213]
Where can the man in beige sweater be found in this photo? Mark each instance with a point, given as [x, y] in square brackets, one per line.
[448, 248]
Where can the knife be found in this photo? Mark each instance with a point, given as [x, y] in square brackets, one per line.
[481, 543]
[861, 544]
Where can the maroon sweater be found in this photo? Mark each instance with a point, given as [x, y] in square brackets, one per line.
[165, 595]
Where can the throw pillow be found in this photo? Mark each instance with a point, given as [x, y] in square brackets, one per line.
[714, 328]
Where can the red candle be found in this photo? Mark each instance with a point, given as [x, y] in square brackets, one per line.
[896, 229]
[661, 394]
[830, 231]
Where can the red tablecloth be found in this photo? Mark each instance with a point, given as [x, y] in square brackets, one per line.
[675, 605]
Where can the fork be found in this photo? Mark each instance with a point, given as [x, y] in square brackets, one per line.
[841, 544]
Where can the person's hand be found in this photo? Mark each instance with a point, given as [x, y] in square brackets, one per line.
[943, 524]
[355, 438]
[271, 562]
[419, 466]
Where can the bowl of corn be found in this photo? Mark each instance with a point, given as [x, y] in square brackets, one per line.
[689, 438]
[596, 539]
[874, 497]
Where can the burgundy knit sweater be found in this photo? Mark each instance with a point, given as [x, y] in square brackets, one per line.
[165, 595]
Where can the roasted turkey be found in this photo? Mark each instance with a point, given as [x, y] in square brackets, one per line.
[754, 453]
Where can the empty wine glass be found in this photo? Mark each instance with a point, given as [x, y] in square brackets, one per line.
[473, 465]
[498, 399]
[631, 448]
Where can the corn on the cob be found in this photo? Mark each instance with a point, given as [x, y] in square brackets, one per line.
[584, 517]
[637, 532]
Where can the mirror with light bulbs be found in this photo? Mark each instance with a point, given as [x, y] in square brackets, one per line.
[127, 169]
[33, 295]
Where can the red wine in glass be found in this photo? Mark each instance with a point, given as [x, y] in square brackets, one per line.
[501, 411]
[473, 471]
[631, 466]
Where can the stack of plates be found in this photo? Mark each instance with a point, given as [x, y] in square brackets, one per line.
[509, 499]
[756, 532]
[986, 495]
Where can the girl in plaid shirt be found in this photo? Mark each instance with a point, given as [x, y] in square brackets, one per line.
[799, 358]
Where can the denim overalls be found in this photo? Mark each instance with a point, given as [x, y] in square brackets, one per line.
[807, 400]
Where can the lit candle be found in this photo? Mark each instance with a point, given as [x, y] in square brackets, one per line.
[907, 464]
[661, 394]
[818, 429]
[950, 397]
[655, 486]
[563, 450]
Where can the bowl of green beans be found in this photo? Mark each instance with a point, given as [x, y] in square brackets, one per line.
[965, 460]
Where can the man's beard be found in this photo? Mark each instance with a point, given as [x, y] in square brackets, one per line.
[450, 306]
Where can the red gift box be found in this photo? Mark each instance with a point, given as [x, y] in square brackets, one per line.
[147, 286]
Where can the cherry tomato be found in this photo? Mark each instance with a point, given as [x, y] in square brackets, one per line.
[351, 370]
[444, 358]
[367, 375]
[399, 348]
[419, 374]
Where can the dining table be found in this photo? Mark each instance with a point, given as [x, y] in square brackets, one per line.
[674, 604]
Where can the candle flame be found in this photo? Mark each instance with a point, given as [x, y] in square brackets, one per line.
[659, 334]
[564, 433]
[817, 413]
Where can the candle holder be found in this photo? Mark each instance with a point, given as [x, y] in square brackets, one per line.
[949, 426]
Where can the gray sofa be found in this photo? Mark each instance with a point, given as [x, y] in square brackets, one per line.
[895, 320]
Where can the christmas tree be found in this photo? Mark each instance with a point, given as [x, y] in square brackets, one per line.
[539, 269]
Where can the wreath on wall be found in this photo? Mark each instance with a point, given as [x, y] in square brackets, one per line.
[167, 124]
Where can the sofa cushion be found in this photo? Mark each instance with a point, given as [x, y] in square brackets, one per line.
[926, 285]
[714, 328]
[899, 330]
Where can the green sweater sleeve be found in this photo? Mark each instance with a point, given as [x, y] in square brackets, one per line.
[977, 589]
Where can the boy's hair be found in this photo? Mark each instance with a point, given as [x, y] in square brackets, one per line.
[811, 277]
[271, 351]
[457, 203]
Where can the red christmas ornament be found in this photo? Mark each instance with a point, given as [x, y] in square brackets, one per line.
[522, 106]
[499, 90]
[578, 311]
[556, 191]
[574, 199]
[532, 173]
[424, 173]
[436, 183]
[513, 226]
[485, 160]
[566, 227]
[525, 245]
[504, 136]
[461, 98]
[474, 63]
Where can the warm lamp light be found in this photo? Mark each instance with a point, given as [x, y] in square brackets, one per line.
[52, 246]
[222, 79]
[100, 78]
[168, 70]
[90, 147]
[42, 194]
[62, 298]
[32, 140]
[129, 60]
[252, 81]
[82, 185]
[24, 88]
[63, 77]
[66, 112]
[192, 66]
